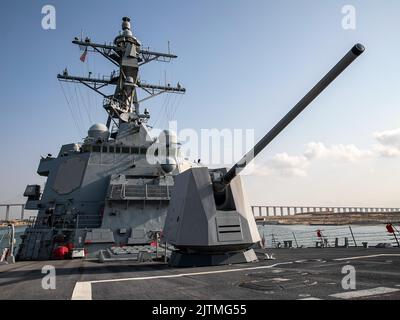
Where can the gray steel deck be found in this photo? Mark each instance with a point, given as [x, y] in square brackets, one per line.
[295, 274]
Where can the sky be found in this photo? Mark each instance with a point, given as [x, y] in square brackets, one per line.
[244, 64]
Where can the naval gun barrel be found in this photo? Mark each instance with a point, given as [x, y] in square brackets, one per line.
[356, 51]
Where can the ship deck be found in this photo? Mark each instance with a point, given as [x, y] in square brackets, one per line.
[312, 273]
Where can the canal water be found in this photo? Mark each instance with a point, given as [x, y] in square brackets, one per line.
[298, 235]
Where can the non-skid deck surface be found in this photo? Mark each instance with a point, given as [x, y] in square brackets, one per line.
[294, 274]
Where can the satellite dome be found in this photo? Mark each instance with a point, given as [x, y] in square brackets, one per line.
[98, 131]
[168, 165]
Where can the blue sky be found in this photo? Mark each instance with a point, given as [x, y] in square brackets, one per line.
[244, 64]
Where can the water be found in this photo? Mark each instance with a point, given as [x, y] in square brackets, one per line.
[304, 235]
[307, 235]
[4, 237]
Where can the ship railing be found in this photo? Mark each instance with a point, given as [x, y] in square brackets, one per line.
[32, 221]
[87, 221]
[140, 192]
[79, 221]
[341, 236]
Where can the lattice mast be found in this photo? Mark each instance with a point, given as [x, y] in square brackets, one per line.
[125, 53]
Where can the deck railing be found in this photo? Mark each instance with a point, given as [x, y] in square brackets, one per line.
[328, 236]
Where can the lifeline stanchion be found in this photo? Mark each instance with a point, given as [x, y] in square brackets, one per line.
[354, 239]
[390, 229]
[295, 240]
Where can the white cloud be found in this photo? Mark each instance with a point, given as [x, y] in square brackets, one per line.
[387, 151]
[389, 143]
[283, 164]
[286, 165]
[389, 137]
[340, 152]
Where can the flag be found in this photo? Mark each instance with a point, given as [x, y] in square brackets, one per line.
[83, 56]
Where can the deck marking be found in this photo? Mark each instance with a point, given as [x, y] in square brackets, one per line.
[310, 298]
[370, 256]
[191, 274]
[277, 271]
[364, 293]
[280, 279]
[82, 291]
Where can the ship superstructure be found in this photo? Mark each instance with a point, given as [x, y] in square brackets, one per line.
[113, 188]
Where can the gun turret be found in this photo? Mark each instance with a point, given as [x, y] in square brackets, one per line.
[356, 51]
[209, 220]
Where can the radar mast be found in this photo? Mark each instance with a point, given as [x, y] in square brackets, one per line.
[127, 54]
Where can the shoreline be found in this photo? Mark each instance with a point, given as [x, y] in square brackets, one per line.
[15, 223]
[333, 219]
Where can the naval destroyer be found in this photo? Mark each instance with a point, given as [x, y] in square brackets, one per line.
[120, 190]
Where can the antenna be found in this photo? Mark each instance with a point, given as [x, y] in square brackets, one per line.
[128, 56]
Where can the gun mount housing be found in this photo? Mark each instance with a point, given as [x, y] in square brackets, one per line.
[209, 220]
